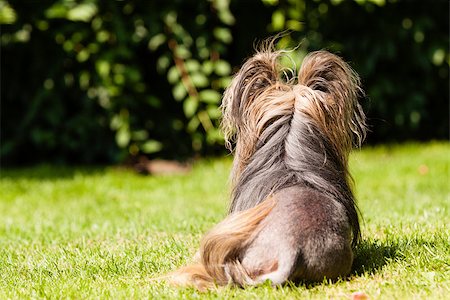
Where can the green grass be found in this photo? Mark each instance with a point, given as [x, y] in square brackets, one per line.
[106, 232]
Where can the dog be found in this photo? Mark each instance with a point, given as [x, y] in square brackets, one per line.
[292, 215]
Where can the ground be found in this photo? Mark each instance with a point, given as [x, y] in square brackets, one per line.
[106, 232]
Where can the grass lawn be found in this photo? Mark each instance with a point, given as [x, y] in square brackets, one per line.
[106, 232]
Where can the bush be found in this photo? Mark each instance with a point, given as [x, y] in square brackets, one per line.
[399, 48]
[97, 81]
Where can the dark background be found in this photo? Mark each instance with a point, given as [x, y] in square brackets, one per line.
[102, 81]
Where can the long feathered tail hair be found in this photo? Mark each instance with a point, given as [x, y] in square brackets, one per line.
[326, 91]
[217, 261]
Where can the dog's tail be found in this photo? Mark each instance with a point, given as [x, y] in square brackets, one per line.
[218, 261]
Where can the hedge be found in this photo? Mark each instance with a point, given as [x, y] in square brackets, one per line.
[99, 81]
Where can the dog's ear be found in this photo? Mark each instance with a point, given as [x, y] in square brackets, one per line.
[335, 105]
[256, 75]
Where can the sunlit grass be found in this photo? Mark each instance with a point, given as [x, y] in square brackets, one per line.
[106, 232]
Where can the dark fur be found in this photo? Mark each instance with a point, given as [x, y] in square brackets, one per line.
[292, 214]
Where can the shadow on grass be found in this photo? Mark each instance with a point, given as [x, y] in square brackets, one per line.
[370, 258]
[372, 255]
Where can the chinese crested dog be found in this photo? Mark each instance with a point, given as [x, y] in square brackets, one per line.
[292, 215]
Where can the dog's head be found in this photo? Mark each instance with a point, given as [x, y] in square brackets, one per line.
[326, 91]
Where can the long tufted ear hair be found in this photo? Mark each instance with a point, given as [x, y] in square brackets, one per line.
[256, 75]
[333, 101]
[254, 97]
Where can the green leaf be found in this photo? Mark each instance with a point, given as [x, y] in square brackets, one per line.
[270, 2]
[139, 135]
[223, 11]
[190, 106]
[57, 10]
[294, 25]
[226, 17]
[83, 55]
[203, 53]
[213, 136]
[193, 124]
[119, 79]
[199, 80]
[173, 75]
[224, 82]
[278, 20]
[132, 74]
[182, 52]
[116, 122]
[208, 67]
[151, 146]
[102, 36]
[123, 136]
[438, 57]
[192, 65]
[223, 34]
[84, 79]
[179, 91]
[213, 112]
[209, 96]
[163, 63]
[171, 18]
[222, 68]
[153, 101]
[156, 41]
[83, 12]
[7, 13]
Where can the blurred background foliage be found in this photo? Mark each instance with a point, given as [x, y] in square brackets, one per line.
[101, 81]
